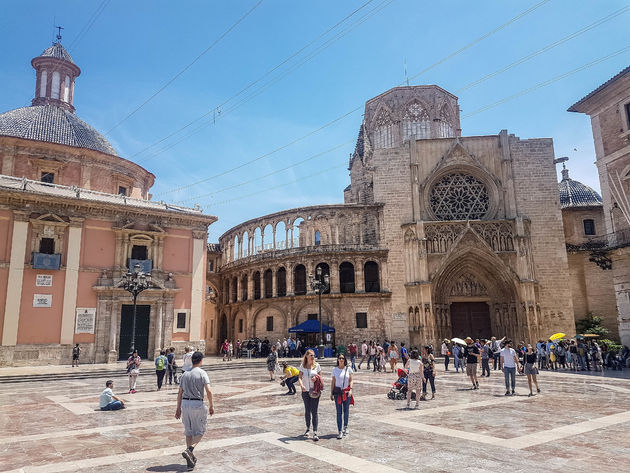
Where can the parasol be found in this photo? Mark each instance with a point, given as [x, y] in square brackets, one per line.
[458, 340]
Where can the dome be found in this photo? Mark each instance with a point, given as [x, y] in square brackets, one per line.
[574, 194]
[58, 52]
[55, 125]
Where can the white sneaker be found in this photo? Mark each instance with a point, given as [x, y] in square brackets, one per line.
[305, 434]
[340, 435]
[315, 436]
[345, 431]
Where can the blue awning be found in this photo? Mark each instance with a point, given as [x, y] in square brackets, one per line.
[311, 326]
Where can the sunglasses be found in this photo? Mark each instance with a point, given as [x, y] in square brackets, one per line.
[311, 355]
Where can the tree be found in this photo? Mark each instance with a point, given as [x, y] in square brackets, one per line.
[591, 324]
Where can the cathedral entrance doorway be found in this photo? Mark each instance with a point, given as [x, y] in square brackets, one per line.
[142, 330]
[471, 319]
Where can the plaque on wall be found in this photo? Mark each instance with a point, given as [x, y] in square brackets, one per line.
[398, 316]
[85, 320]
[42, 300]
[43, 280]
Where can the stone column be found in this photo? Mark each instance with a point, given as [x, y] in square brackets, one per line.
[334, 278]
[359, 280]
[274, 272]
[250, 287]
[16, 275]
[113, 331]
[71, 282]
[239, 288]
[290, 284]
[159, 325]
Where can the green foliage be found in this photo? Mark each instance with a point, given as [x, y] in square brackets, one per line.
[611, 344]
[591, 324]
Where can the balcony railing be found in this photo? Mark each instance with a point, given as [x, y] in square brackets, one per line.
[146, 265]
[46, 261]
[610, 241]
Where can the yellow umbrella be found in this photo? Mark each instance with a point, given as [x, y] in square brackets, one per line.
[557, 336]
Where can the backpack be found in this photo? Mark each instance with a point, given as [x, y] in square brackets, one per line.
[159, 363]
[75, 351]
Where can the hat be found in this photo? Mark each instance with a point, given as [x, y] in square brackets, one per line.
[197, 357]
[468, 339]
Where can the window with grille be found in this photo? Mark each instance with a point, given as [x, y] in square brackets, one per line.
[361, 319]
[139, 252]
[269, 324]
[383, 136]
[589, 227]
[416, 122]
[459, 196]
[181, 320]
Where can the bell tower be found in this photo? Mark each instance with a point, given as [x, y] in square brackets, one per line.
[56, 73]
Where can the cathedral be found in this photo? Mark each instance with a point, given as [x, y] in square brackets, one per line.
[439, 235]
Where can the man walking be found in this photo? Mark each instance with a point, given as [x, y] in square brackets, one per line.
[472, 354]
[364, 351]
[495, 346]
[172, 366]
[509, 362]
[190, 406]
[161, 363]
[485, 358]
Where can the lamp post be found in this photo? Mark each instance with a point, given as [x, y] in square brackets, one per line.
[320, 283]
[135, 282]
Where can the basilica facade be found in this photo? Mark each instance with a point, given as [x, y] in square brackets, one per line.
[440, 235]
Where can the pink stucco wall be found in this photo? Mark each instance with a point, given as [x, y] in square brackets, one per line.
[98, 244]
[4, 279]
[6, 233]
[86, 297]
[177, 251]
[39, 324]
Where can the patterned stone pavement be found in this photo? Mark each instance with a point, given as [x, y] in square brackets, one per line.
[577, 422]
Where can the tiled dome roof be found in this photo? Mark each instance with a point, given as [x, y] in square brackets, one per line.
[57, 51]
[53, 124]
[574, 194]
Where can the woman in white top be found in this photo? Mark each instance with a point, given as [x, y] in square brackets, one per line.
[308, 370]
[341, 392]
[446, 353]
[415, 377]
[393, 356]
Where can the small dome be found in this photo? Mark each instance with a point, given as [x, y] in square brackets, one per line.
[55, 125]
[574, 194]
[58, 52]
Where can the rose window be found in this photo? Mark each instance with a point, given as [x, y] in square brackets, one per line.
[459, 197]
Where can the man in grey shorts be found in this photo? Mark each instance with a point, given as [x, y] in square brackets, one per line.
[190, 406]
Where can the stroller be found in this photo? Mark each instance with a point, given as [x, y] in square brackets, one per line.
[399, 387]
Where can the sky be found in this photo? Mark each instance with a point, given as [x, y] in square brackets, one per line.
[250, 107]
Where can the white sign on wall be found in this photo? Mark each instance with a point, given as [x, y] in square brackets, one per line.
[43, 280]
[85, 320]
[398, 316]
[42, 300]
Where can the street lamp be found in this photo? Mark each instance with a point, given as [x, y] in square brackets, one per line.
[135, 282]
[320, 283]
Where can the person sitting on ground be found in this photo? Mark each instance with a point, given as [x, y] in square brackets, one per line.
[109, 401]
[290, 376]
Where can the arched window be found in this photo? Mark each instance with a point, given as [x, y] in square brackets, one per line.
[370, 271]
[268, 284]
[281, 282]
[244, 287]
[43, 83]
[325, 271]
[235, 247]
[256, 285]
[346, 277]
[297, 226]
[318, 238]
[66, 90]
[281, 236]
[445, 127]
[589, 226]
[56, 80]
[416, 123]
[245, 245]
[383, 130]
[268, 237]
[257, 242]
[234, 288]
[299, 280]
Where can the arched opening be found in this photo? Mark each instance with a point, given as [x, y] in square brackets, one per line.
[268, 278]
[235, 253]
[325, 271]
[299, 280]
[245, 245]
[346, 277]
[318, 238]
[281, 282]
[244, 287]
[281, 236]
[226, 291]
[370, 273]
[257, 241]
[298, 238]
[256, 277]
[223, 330]
[268, 237]
[234, 288]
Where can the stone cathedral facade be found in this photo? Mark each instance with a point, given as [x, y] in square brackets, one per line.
[440, 235]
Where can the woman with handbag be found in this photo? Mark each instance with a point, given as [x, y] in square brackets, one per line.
[341, 393]
[133, 368]
[310, 382]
